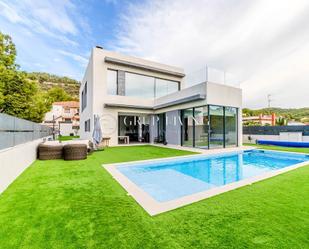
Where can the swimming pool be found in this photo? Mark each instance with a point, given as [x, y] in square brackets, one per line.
[167, 180]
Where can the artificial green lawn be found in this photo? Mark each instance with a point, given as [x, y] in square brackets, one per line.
[67, 138]
[77, 204]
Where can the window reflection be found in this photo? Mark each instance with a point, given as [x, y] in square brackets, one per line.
[216, 126]
[139, 86]
[165, 87]
[201, 127]
[230, 126]
[187, 134]
[112, 82]
[209, 127]
[142, 86]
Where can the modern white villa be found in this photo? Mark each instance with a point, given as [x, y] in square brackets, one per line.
[140, 101]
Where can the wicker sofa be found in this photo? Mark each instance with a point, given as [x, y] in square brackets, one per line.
[69, 150]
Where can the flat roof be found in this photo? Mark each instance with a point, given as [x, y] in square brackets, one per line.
[141, 66]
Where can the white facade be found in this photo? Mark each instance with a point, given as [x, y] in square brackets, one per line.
[12, 165]
[132, 72]
[64, 117]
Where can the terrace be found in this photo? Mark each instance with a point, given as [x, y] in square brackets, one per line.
[77, 204]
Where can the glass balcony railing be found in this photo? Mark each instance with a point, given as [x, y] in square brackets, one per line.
[210, 74]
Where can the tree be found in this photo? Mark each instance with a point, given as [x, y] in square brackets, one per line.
[281, 121]
[57, 94]
[20, 92]
[20, 96]
[7, 52]
[247, 112]
[1, 93]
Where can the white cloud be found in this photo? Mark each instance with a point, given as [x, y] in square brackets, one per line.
[9, 13]
[40, 29]
[75, 57]
[47, 17]
[263, 43]
[51, 14]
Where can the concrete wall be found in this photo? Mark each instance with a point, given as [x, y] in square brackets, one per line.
[199, 89]
[15, 160]
[66, 129]
[272, 138]
[218, 94]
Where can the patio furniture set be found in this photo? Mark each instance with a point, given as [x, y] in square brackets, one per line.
[77, 150]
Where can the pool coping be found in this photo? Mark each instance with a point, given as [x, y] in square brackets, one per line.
[153, 207]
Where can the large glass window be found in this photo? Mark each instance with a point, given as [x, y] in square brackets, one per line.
[216, 126]
[188, 126]
[139, 86]
[201, 126]
[111, 82]
[147, 87]
[230, 126]
[165, 87]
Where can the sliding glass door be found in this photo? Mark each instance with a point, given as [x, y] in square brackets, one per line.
[161, 127]
[216, 131]
[230, 126]
[209, 127]
[187, 127]
[201, 127]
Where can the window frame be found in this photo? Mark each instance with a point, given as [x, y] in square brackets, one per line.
[224, 124]
[87, 125]
[155, 81]
[114, 70]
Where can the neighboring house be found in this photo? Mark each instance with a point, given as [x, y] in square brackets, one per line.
[64, 117]
[144, 101]
[260, 120]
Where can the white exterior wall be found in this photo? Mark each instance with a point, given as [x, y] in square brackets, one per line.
[15, 160]
[56, 111]
[224, 95]
[96, 76]
[96, 73]
[87, 113]
[66, 129]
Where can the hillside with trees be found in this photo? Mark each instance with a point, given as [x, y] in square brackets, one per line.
[296, 114]
[48, 81]
[29, 95]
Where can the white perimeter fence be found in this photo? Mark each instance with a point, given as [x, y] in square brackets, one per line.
[19, 140]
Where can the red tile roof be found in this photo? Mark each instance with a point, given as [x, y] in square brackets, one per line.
[70, 104]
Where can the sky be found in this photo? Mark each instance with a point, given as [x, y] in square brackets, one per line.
[264, 44]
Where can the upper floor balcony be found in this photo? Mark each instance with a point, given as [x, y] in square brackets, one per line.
[210, 74]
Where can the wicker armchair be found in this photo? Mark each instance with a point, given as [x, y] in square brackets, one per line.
[48, 152]
[75, 151]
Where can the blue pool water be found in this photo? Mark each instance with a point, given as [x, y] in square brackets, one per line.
[169, 179]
